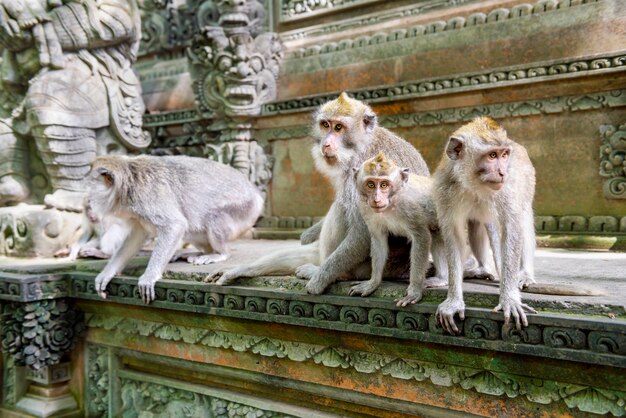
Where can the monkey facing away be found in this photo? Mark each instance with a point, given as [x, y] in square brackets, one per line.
[346, 134]
[486, 182]
[398, 202]
[205, 202]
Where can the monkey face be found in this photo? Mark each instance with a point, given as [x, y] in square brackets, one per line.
[335, 140]
[378, 192]
[492, 167]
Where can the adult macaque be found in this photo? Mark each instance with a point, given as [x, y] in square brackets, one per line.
[205, 202]
[486, 180]
[394, 201]
[346, 134]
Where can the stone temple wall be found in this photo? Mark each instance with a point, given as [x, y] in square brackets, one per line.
[552, 72]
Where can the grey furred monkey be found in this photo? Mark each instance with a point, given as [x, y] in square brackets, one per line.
[205, 202]
[346, 134]
[486, 182]
[395, 201]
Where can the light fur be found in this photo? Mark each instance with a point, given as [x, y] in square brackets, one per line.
[204, 202]
[411, 214]
[500, 219]
[342, 249]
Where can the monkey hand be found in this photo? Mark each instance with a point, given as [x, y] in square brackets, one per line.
[102, 280]
[445, 314]
[364, 289]
[413, 295]
[511, 305]
[146, 287]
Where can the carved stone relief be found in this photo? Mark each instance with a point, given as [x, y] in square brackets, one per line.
[233, 65]
[40, 334]
[613, 160]
[73, 96]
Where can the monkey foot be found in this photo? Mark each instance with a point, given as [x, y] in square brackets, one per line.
[221, 277]
[435, 281]
[207, 259]
[93, 253]
[307, 271]
[66, 200]
[63, 252]
[480, 272]
[12, 190]
[364, 289]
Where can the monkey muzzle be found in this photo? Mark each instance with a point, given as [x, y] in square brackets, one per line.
[379, 209]
[495, 185]
[330, 155]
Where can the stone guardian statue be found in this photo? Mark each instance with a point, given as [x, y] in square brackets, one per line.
[68, 93]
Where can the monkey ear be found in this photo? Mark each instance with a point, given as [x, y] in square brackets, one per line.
[369, 120]
[454, 148]
[107, 175]
[404, 173]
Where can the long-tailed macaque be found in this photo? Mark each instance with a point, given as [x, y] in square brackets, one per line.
[486, 180]
[395, 201]
[346, 134]
[100, 238]
[205, 202]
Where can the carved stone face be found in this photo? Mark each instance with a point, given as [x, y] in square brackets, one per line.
[242, 77]
[235, 14]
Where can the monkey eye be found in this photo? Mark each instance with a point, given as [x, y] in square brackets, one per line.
[384, 185]
[325, 124]
[505, 154]
[338, 127]
[370, 185]
[493, 155]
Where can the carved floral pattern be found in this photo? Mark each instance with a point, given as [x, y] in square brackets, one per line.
[97, 392]
[579, 339]
[39, 334]
[161, 401]
[585, 398]
[613, 160]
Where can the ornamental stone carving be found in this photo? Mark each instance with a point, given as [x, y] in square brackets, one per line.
[69, 95]
[613, 160]
[234, 65]
[40, 334]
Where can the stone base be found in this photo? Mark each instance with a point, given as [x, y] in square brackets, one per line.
[36, 231]
[42, 406]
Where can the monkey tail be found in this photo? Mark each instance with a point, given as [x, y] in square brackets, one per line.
[563, 290]
[284, 262]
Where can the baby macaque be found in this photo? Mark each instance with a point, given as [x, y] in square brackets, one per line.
[486, 182]
[205, 202]
[394, 201]
[100, 238]
[33, 15]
